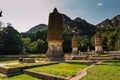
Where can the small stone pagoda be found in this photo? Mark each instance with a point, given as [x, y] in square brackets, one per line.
[98, 43]
[74, 45]
[55, 37]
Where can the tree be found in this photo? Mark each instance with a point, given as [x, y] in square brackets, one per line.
[38, 46]
[31, 47]
[12, 40]
[84, 42]
[33, 38]
[38, 35]
[26, 43]
[41, 46]
[1, 42]
[41, 35]
[67, 46]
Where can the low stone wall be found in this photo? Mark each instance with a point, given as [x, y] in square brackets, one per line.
[26, 60]
[8, 71]
[44, 76]
[79, 58]
[100, 58]
[75, 57]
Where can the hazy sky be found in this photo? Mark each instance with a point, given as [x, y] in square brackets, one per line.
[24, 14]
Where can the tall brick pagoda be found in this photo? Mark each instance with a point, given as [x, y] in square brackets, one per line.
[98, 43]
[55, 37]
[74, 45]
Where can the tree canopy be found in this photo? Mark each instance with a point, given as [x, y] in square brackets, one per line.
[11, 41]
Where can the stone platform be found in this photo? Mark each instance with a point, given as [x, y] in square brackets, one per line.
[26, 60]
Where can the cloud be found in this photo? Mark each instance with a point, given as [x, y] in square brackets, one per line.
[100, 4]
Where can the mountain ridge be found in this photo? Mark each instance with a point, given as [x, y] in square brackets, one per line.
[82, 25]
[109, 23]
[38, 27]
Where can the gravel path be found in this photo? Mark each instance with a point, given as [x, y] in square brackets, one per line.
[9, 63]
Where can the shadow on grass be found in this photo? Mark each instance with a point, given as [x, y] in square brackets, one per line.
[112, 61]
[2, 60]
[78, 63]
[109, 64]
[14, 74]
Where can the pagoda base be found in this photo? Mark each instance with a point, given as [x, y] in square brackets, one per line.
[74, 51]
[54, 56]
[99, 49]
[55, 59]
[99, 52]
[54, 52]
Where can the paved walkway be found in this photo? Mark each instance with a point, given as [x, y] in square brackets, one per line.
[8, 63]
[83, 72]
[13, 63]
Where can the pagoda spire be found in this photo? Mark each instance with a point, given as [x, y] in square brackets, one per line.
[55, 10]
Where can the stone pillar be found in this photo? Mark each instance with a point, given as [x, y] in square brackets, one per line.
[55, 37]
[74, 45]
[88, 49]
[98, 43]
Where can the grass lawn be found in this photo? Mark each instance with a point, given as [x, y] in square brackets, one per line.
[62, 69]
[108, 70]
[6, 60]
[20, 77]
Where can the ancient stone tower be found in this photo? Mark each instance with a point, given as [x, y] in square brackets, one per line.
[74, 45]
[55, 37]
[98, 43]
